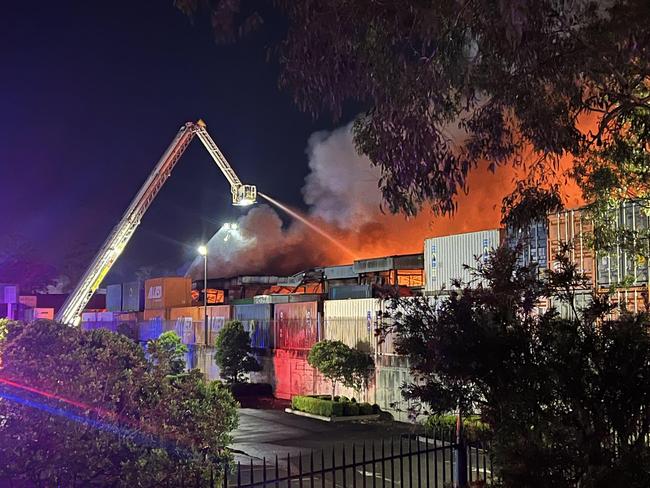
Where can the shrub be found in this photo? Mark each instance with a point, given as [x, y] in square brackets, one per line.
[475, 429]
[127, 421]
[342, 399]
[234, 353]
[322, 405]
[365, 409]
[350, 409]
[317, 406]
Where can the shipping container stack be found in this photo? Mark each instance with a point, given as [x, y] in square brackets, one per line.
[257, 319]
[445, 258]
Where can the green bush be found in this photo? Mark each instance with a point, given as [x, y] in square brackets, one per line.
[353, 400]
[322, 405]
[337, 409]
[365, 409]
[317, 406]
[475, 429]
[350, 409]
[342, 399]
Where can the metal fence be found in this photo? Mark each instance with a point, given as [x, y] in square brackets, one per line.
[408, 461]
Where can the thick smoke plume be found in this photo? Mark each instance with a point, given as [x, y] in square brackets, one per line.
[343, 198]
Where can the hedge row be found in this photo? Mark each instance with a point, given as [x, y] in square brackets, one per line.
[317, 406]
[322, 405]
[475, 429]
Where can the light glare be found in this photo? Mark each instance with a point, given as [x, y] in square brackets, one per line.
[203, 250]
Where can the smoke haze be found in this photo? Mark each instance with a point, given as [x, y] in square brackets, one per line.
[343, 198]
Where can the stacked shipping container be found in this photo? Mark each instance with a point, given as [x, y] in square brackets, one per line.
[352, 322]
[573, 228]
[297, 325]
[445, 257]
[257, 319]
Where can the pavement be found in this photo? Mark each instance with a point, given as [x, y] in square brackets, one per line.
[267, 433]
[308, 445]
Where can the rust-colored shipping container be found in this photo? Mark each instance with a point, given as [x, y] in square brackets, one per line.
[632, 300]
[159, 313]
[217, 317]
[297, 325]
[195, 313]
[28, 301]
[572, 227]
[167, 292]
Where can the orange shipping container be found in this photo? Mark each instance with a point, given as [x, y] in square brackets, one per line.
[224, 311]
[572, 227]
[633, 300]
[161, 313]
[167, 292]
[195, 313]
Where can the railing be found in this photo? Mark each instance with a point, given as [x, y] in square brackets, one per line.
[408, 461]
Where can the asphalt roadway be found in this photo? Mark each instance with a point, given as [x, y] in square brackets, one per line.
[264, 434]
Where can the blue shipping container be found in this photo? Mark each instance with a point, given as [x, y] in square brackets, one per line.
[534, 241]
[114, 298]
[257, 319]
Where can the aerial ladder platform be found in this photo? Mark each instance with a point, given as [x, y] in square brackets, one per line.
[119, 237]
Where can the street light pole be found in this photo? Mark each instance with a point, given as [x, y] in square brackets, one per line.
[205, 296]
[203, 251]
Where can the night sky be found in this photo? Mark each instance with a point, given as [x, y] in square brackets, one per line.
[91, 94]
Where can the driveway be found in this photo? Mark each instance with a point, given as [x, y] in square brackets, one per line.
[306, 445]
[267, 433]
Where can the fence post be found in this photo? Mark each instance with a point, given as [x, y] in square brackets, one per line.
[460, 455]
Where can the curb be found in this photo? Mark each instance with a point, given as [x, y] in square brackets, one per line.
[332, 419]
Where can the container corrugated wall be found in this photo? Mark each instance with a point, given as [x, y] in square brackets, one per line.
[632, 300]
[133, 296]
[168, 292]
[345, 271]
[352, 322]
[618, 266]
[9, 293]
[534, 244]
[258, 321]
[572, 227]
[297, 325]
[344, 292]
[114, 298]
[445, 257]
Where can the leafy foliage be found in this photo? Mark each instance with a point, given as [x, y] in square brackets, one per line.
[234, 353]
[88, 406]
[565, 397]
[447, 85]
[4, 324]
[340, 363]
[168, 352]
[317, 406]
[473, 428]
[325, 406]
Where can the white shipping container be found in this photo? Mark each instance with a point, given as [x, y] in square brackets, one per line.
[445, 257]
[271, 299]
[8, 293]
[352, 321]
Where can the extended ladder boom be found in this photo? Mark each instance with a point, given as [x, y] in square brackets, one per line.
[119, 237]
